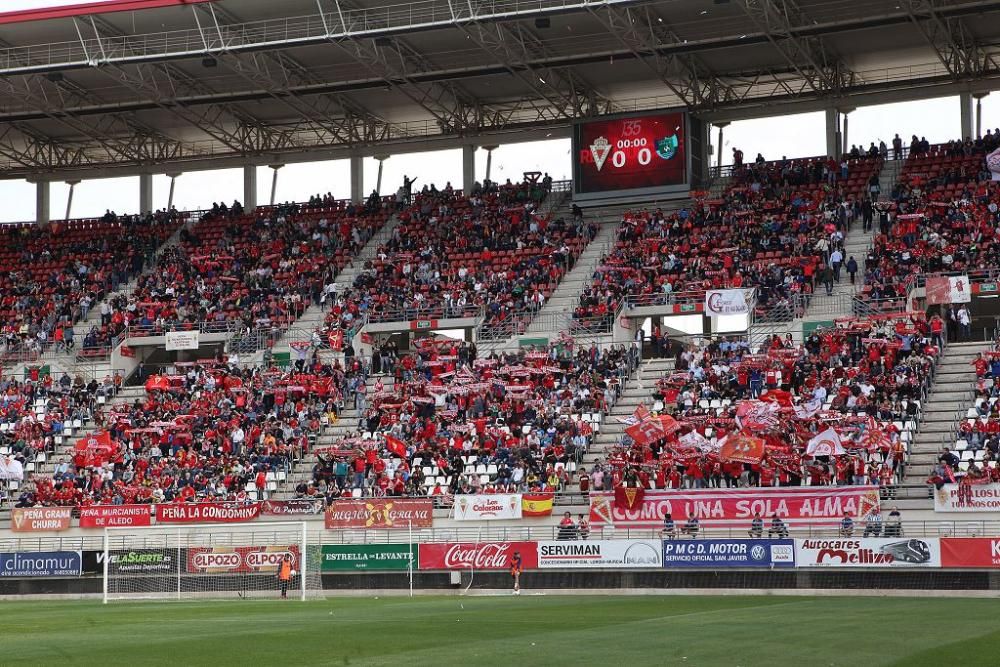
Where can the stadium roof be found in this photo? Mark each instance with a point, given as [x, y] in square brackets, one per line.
[130, 84]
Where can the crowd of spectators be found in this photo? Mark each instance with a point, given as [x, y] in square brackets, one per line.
[451, 423]
[775, 229]
[53, 276]
[864, 377]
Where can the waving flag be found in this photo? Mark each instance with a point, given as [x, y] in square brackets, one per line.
[826, 443]
[396, 446]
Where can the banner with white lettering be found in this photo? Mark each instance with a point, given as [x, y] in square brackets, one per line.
[868, 552]
[968, 498]
[608, 554]
[488, 507]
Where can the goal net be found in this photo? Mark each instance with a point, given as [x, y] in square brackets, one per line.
[202, 561]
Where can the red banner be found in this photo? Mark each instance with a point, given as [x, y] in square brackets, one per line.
[99, 516]
[215, 560]
[970, 552]
[207, 512]
[629, 497]
[476, 555]
[40, 519]
[736, 507]
[380, 513]
[291, 507]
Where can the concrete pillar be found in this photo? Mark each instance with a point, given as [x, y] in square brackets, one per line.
[965, 109]
[173, 181]
[979, 113]
[382, 157]
[69, 198]
[357, 179]
[145, 193]
[274, 180]
[249, 187]
[468, 168]
[833, 132]
[42, 191]
[489, 161]
[718, 160]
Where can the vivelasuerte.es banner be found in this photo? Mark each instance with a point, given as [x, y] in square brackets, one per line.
[728, 553]
[41, 564]
[600, 554]
[868, 552]
[488, 507]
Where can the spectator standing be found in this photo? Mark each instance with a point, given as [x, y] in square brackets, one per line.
[873, 524]
[567, 529]
[852, 268]
[964, 323]
[757, 527]
[669, 528]
[836, 261]
[847, 526]
[894, 525]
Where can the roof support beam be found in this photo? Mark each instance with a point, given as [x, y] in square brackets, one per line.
[954, 45]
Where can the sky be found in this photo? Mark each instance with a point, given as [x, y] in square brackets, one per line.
[799, 135]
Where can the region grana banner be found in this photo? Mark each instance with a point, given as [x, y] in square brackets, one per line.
[101, 516]
[728, 553]
[207, 512]
[815, 505]
[608, 554]
[970, 498]
[868, 552]
[476, 555]
[387, 513]
[40, 519]
[970, 552]
[215, 560]
[488, 507]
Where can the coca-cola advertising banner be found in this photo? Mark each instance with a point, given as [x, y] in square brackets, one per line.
[40, 519]
[488, 507]
[376, 513]
[476, 555]
[736, 507]
[216, 560]
[868, 552]
[970, 552]
[302, 507]
[100, 516]
[968, 498]
[207, 512]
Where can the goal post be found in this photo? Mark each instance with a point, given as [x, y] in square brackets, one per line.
[210, 561]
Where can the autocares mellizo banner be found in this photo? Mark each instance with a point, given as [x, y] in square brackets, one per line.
[488, 507]
[967, 498]
[736, 507]
[868, 552]
[101, 516]
[207, 512]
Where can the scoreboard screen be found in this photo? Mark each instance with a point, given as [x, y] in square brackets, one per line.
[643, 152]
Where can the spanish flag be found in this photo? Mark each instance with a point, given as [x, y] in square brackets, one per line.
[536, 504]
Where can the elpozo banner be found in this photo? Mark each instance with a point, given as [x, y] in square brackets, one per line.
[488, 507]
[720, 302]
[728, 553]
[872, 552]
[600, 554]
[41, 564]
[970, 498]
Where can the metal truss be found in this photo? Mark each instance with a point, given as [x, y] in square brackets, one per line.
[778, 20]
[954, 45]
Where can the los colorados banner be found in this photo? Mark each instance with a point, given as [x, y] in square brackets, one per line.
[970, 498]
[613, 554]
[488, 507]
[736, 507]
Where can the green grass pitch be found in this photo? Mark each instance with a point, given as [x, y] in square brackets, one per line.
[693, 631]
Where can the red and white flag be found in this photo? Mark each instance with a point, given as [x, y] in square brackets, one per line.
[826, 443]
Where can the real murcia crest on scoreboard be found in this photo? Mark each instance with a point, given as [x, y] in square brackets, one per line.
[600, 149]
